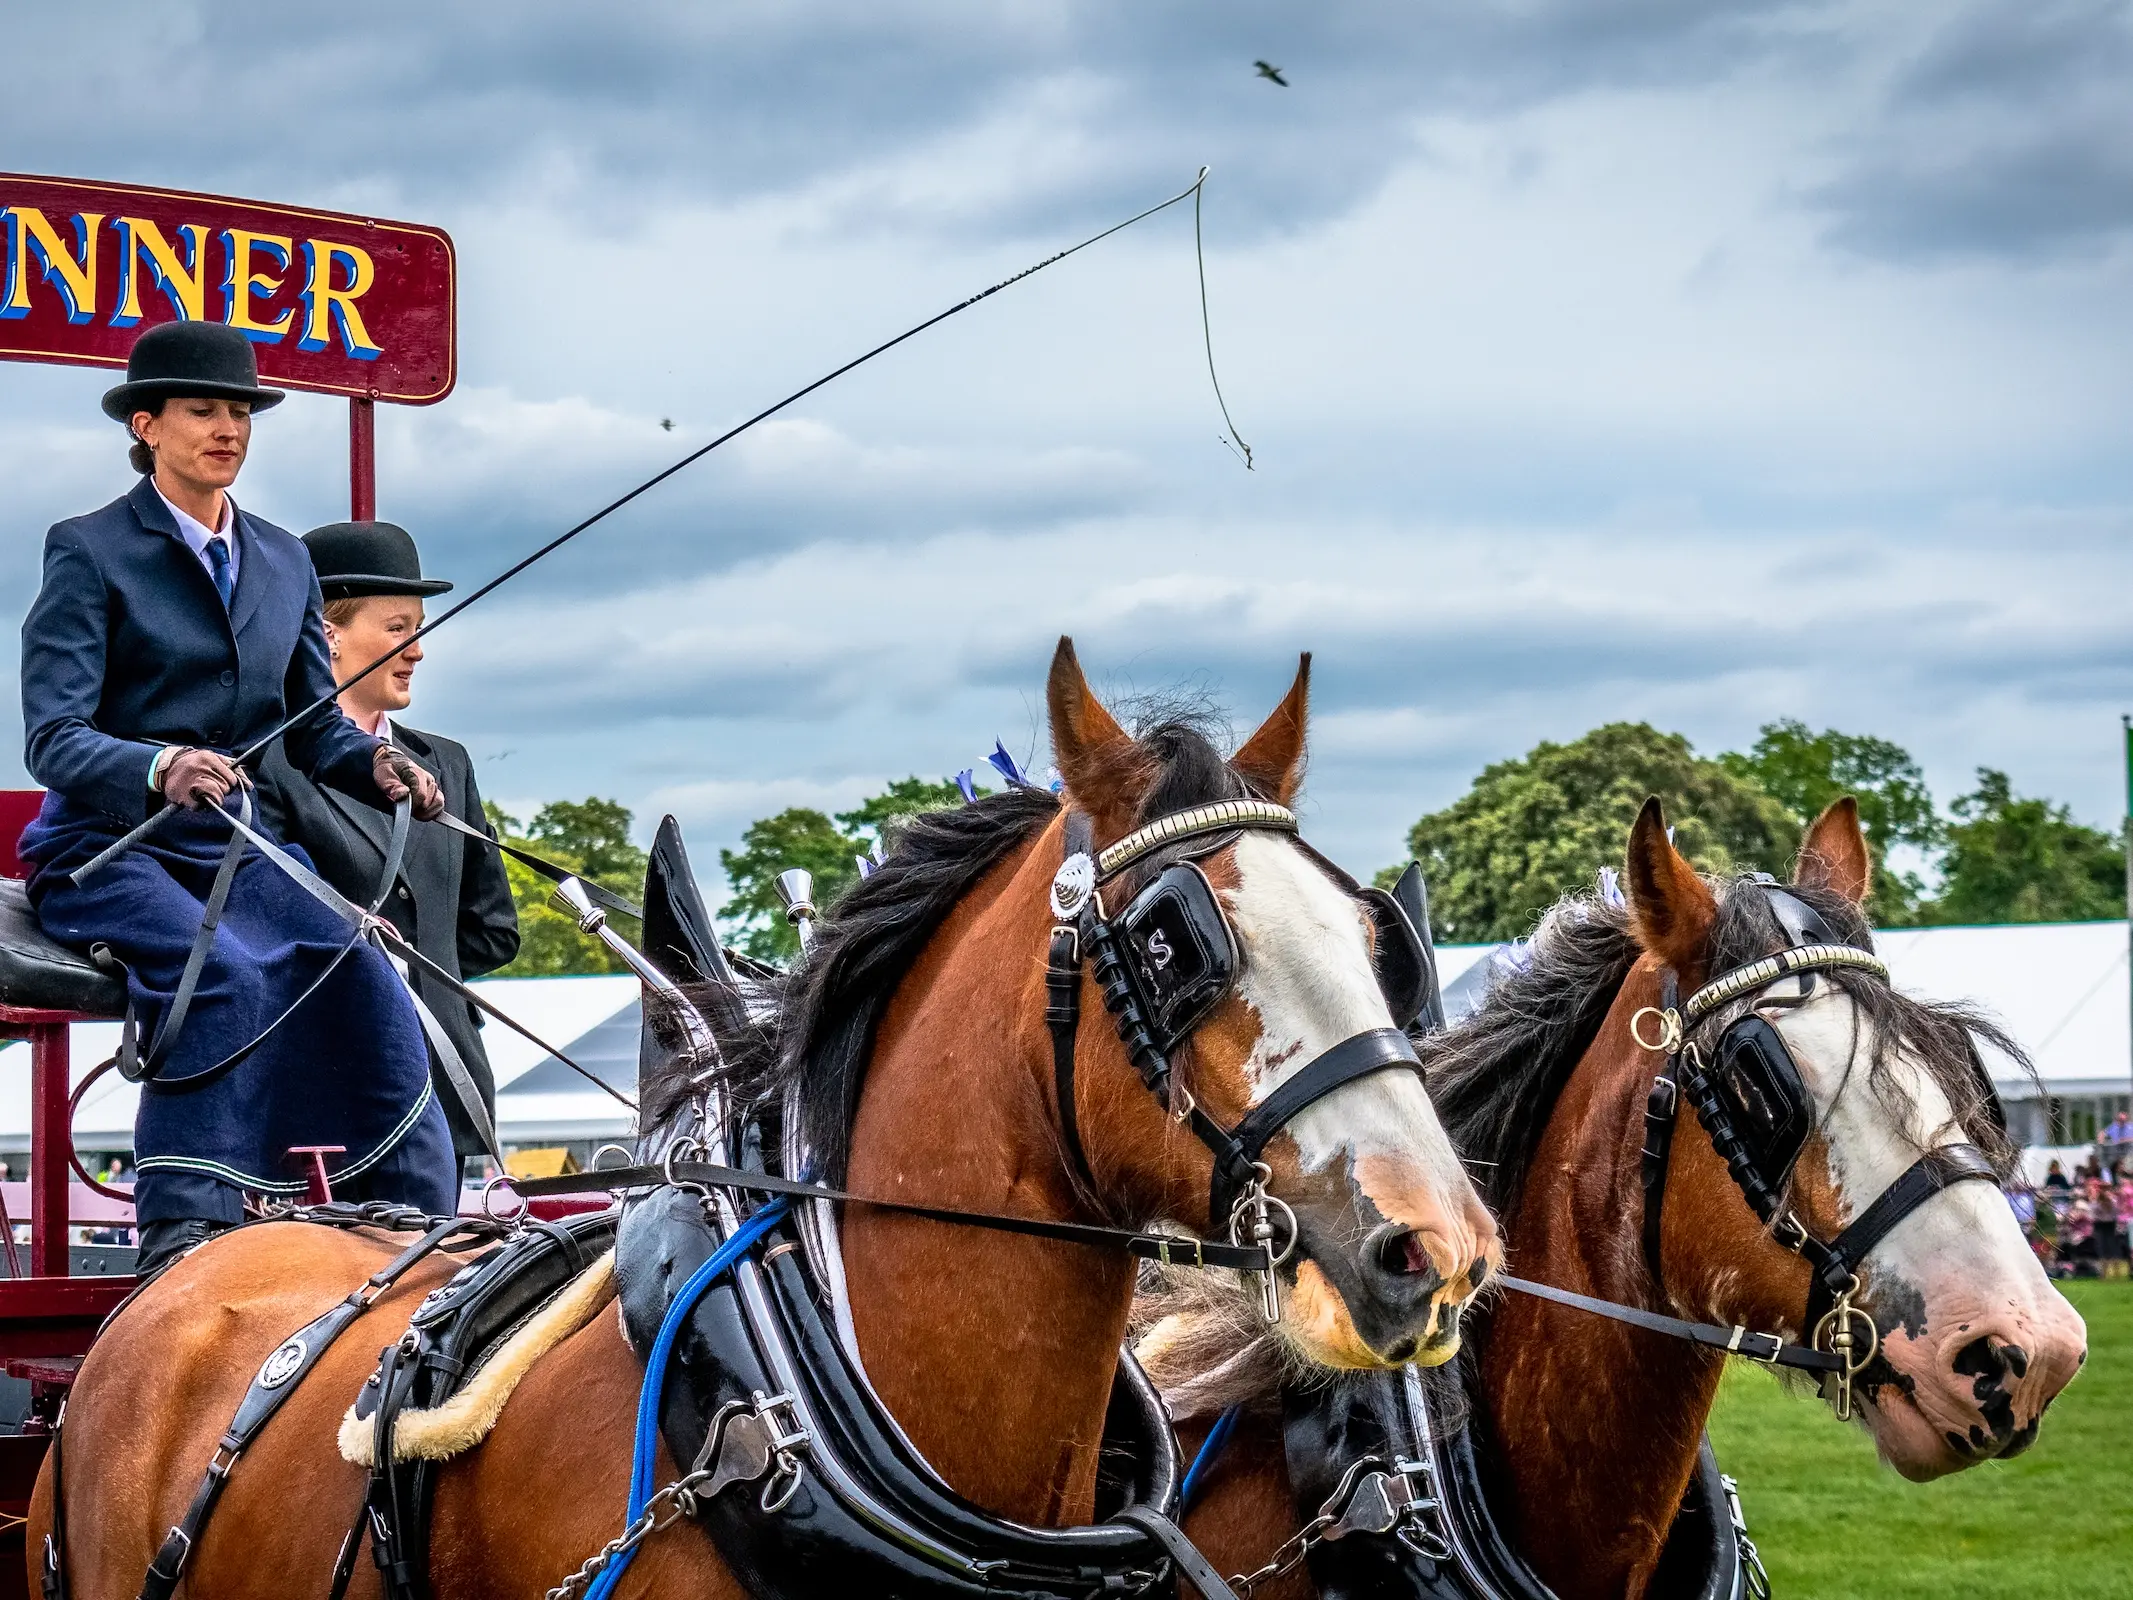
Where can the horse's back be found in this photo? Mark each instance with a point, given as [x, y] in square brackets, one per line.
[164, 1381]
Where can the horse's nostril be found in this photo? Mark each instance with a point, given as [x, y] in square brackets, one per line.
[1400, 1252]
[1477, 1274]
[2015, 1359]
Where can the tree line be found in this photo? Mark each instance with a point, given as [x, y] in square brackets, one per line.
[1527, 832]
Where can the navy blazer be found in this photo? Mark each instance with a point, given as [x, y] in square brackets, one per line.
[128, 649]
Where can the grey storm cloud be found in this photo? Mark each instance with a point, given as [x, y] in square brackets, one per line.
[2005, 134]
[419, 104]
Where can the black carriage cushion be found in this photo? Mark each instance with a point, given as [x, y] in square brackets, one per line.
[35, 970]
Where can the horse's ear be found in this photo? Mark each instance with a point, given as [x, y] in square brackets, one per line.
[1272, 760]
[1835, 855]
[1672, 908]
[1103, 768]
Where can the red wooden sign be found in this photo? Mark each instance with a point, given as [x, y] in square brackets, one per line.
[333, 303]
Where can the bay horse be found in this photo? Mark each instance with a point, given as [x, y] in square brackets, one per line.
[1589, 1429]
[914, 1036]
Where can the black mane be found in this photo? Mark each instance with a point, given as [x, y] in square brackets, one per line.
[813, 1030]
[1495, 1077]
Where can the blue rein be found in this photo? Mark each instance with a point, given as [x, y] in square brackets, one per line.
[645, 1461]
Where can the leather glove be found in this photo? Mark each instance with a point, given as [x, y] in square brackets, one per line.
[398, 774]
[200, 778]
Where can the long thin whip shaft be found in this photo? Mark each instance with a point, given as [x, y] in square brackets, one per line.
[119, 847]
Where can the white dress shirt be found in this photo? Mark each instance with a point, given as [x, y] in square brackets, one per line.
[196, 533]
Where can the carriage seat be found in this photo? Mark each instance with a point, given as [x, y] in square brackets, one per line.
[39, 973]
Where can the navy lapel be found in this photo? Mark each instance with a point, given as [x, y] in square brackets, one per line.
[373, 825]
[154, 517]
[252, 577]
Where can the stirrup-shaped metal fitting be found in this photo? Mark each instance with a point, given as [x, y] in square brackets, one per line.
[1837, 1325]
[1253, 1214]
[488, 1201]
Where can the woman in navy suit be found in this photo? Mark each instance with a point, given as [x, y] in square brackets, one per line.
[172, 629]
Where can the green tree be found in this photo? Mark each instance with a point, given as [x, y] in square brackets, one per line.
[1532, 829]
[590, 837]
[1807, 771]
[2012, 859]
[828, 847]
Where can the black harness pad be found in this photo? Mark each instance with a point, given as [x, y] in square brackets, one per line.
[830, 1537]
[1454, 1549]
[452, 1333]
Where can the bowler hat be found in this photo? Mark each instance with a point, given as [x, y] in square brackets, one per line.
[189, 358]
[360, 558]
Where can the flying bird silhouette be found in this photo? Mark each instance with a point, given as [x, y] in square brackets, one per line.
[667, 423]
[1273, 74]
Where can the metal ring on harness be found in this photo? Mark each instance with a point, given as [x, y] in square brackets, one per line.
[488, 1199]
[622, 1150]
[1669, 1039]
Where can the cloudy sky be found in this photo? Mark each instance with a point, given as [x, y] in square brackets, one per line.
[1662, 359]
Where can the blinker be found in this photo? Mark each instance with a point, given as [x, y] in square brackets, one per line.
[1398, 954]
[1179, 951]
[1765, 1098]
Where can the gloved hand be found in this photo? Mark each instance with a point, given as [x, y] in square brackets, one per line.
[397, 774]
[200, 778]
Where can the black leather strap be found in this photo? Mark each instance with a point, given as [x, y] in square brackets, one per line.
[1169, 1249]
[1375, 1050]
[279, 1377]
[1062, 1009]
[1662, 1108]
[52, 1568]
[240, 832]
[1764, 1347]
[1838, 1261]
[1192, 1566]
[132, 1064]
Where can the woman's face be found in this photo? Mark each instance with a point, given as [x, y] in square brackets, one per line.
[198, 441]
[382, 624]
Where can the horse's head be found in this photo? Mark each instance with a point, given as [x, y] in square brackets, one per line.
[1390, 1238]
[1974, 1342]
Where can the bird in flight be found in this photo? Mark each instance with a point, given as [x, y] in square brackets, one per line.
[1271, 73]
[667, 423]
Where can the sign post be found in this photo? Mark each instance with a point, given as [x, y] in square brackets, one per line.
[333, 303]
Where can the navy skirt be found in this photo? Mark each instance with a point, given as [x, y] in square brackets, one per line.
[349, 1067]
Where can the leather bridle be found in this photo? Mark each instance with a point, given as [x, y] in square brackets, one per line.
[1832, 1321]
[1147, 1015]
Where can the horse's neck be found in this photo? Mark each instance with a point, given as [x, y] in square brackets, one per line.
[994, 1352]
[1595, 1426]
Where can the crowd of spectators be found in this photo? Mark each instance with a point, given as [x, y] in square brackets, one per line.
[2078, 1222]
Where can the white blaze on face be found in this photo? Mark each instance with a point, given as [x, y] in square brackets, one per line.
[1954, 1273]
[1306, 973]
[1966, 1231]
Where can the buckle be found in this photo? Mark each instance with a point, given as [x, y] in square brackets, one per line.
[1737, 1346]
[1072, 935]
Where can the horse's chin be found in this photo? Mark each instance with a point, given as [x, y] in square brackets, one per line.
[1317, 1324]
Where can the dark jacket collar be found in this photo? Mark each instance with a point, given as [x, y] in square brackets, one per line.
[154, 515]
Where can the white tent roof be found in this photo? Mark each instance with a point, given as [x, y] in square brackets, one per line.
[2060, 988]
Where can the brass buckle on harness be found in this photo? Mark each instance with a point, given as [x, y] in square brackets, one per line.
[1741, 1332]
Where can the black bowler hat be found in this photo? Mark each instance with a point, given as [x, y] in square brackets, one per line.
[189, 358]
[361, 558]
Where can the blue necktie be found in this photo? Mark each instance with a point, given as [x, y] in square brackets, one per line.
[218, 566]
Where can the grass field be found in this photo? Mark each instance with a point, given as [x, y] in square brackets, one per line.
[1831, 1521]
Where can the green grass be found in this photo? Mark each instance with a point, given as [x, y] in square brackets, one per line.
[1831, 1521]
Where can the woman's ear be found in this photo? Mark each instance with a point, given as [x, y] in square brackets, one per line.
[1835, 855]
[1106, 772]
[1668, 902]
[1272, 760]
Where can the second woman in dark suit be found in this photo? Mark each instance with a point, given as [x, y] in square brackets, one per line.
[452, 900]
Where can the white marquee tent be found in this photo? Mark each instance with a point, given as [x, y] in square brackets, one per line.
[2060, 987]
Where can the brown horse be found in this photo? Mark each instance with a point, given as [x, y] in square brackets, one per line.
[1590, 1428]
[995, 1352]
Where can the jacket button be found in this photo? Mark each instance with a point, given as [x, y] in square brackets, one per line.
[404, 894]
[228, 677]
[217, 735]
